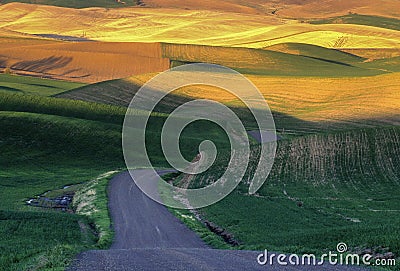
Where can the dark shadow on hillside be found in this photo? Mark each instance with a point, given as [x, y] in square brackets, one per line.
[43, 65]
[64, 37]
[3, 63]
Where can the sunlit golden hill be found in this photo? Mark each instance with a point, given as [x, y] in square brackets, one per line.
[189, 27]
[326, 103]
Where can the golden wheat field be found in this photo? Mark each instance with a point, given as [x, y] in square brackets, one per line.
[316, 99]
[188, 27]
[289, 8]
[354, 100]
[25, 50]
[330, 8]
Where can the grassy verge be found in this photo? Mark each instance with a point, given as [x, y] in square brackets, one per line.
[200, 229]
[92, 201]
[189, 219]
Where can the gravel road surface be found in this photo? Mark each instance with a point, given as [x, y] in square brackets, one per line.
[149, 238]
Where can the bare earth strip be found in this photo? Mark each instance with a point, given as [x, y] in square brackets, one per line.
[84, 61]
[148, 237]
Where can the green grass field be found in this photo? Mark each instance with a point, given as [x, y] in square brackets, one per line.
[35, 133]
[34, 160]
[32, 85]
[347, 186]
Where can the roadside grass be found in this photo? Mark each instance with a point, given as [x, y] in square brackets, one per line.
[33, 85]
[188, 217]
[201, 230]
[35, 159]
[322, 190]
[91, 200]
[378, 21]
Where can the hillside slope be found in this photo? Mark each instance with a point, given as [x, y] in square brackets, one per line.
[84, 61]
[321, 103]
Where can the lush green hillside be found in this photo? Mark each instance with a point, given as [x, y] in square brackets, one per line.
[32, 85]
[323, 189]
[35, 159]
[383, 22]
[78, 3]
[47, 143]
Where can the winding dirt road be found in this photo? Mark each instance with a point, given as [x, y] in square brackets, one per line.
[149, 238]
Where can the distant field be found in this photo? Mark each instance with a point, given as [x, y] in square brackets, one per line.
[99, 61]
[189, 27]
[280, 8]
[77, 3]
[373, 54]
[316, 52]
[330, 8]
[161, 35]
[288, 8]
[318, 61]
[383, 22]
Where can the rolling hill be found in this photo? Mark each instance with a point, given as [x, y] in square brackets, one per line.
[99, 61]
[329, 70]
[322, 104]
[189, 27]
